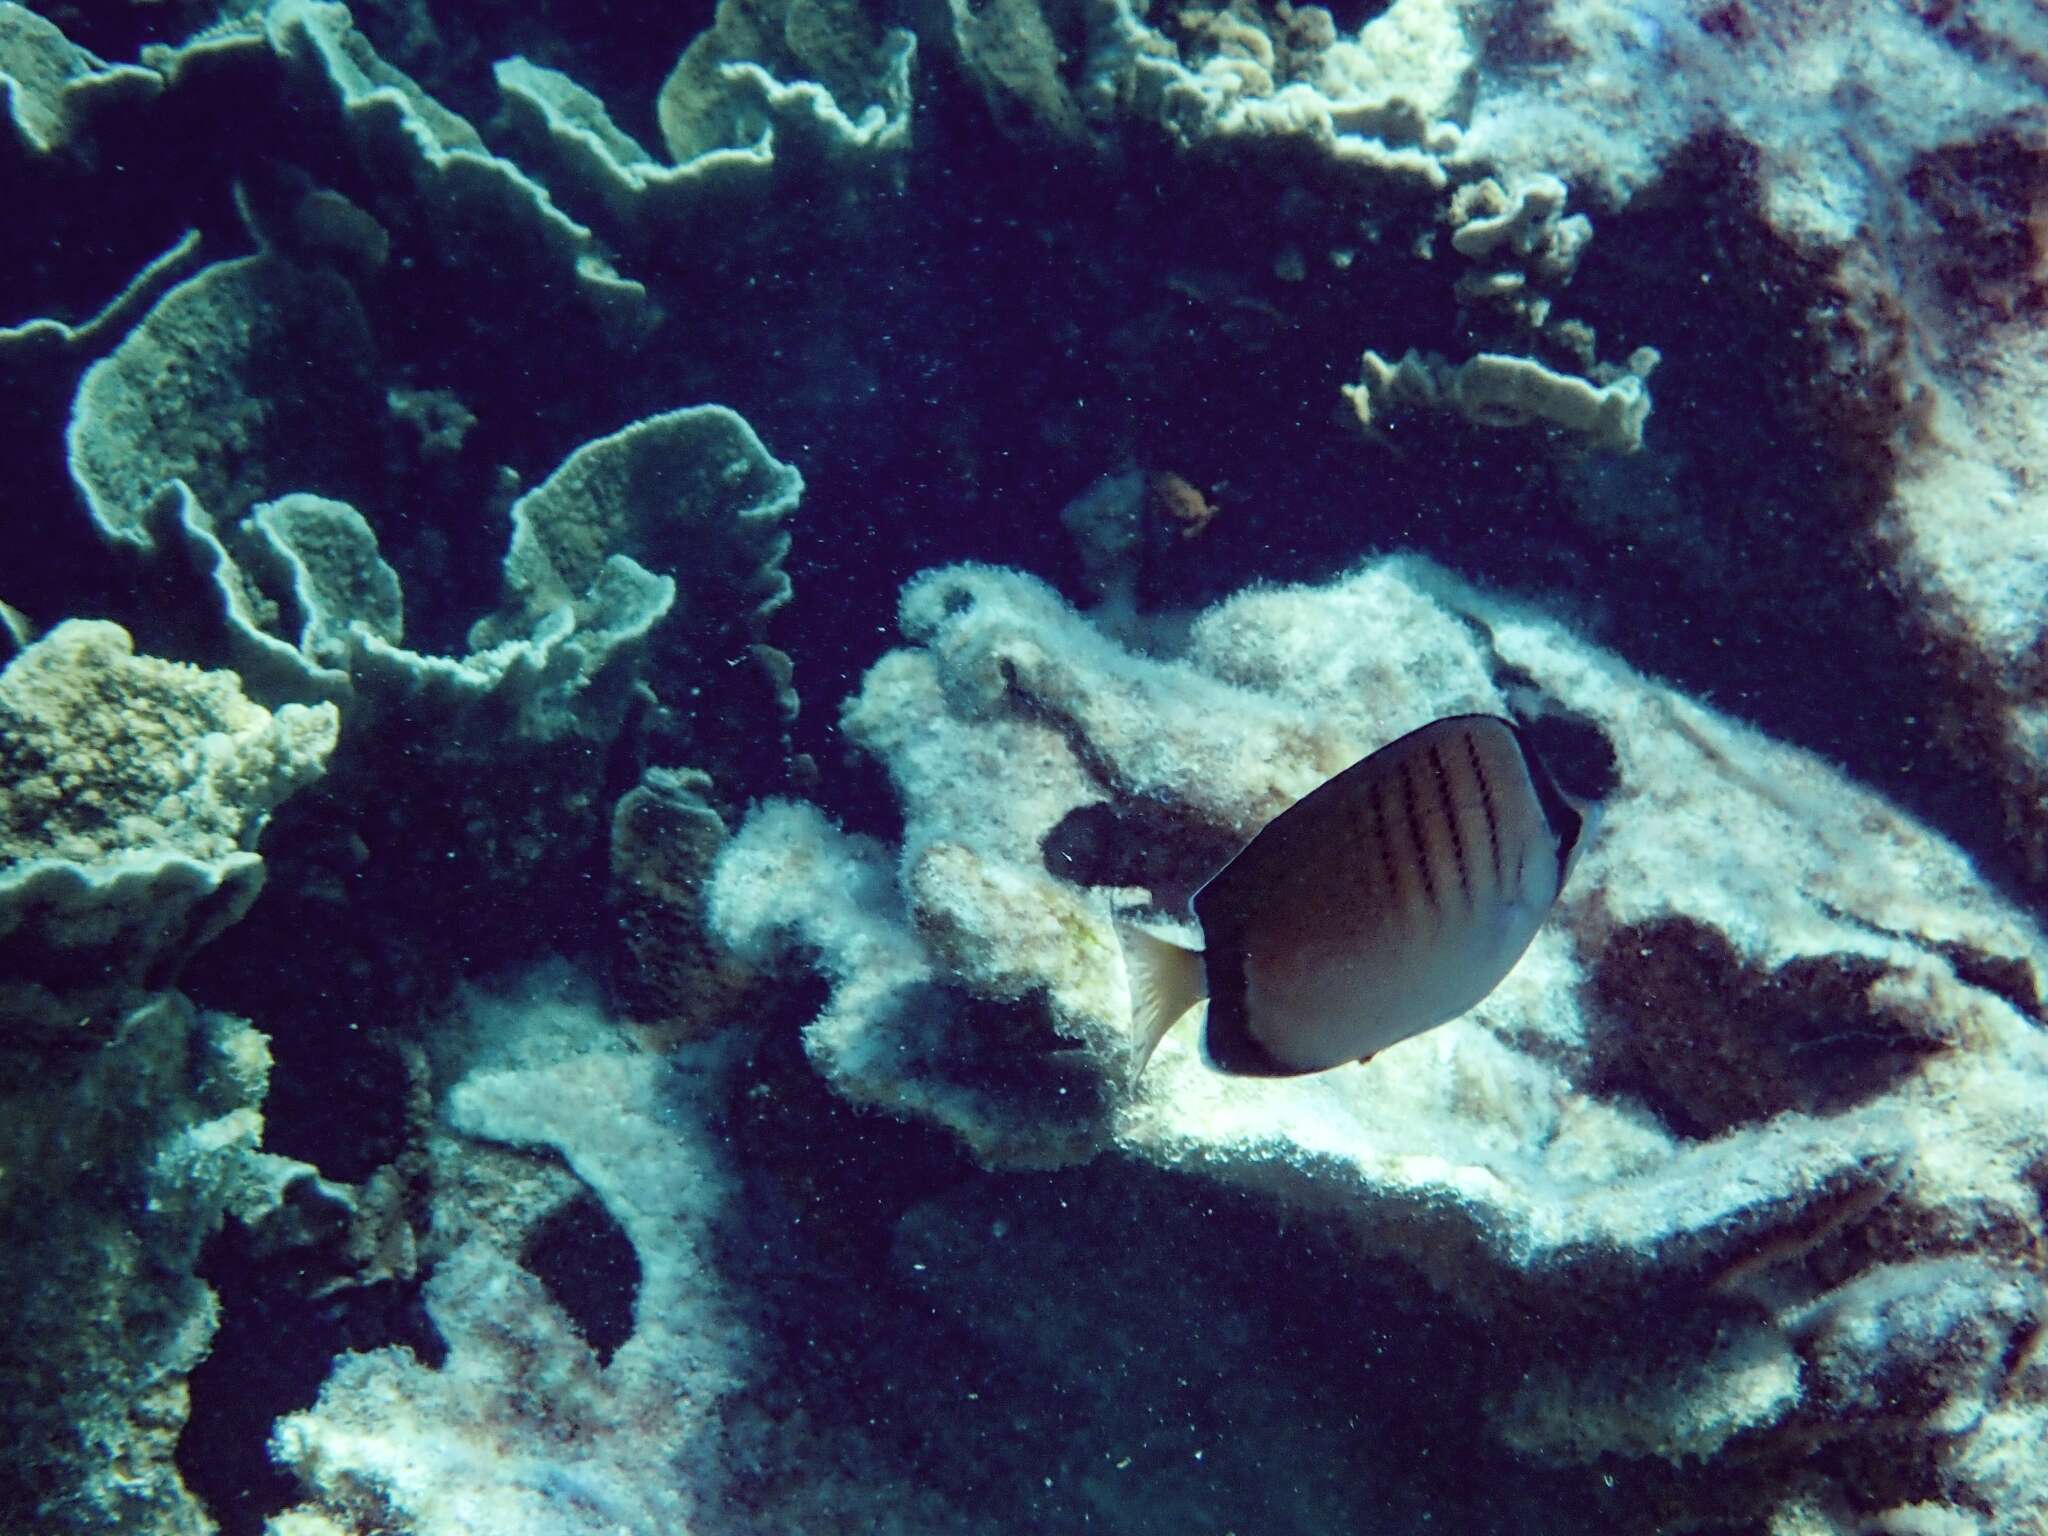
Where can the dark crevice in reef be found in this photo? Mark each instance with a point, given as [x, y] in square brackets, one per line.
[274, 1349]
[951, 1341]
[1055, 324]
[1575, 751]
[339, 1094]
[1350, 15]
[584, 1259]
[1985, 197]
[807, 1244]
[835, 1175]
[2004, 976]
[468, 872]
[1138, 843]
[1711, 1043]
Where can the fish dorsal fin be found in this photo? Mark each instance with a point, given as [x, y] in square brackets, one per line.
[1301, 835]
[1166, 980]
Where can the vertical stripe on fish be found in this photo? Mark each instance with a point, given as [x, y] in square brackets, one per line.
[1388, 900]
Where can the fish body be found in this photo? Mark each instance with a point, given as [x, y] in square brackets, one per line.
[1390, 899]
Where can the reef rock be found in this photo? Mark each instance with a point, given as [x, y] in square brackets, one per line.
[132, 794]
[1907, 181]
[669, 973]
[1743, 1143]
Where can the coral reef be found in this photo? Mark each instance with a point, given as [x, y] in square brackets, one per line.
[176, 399]
[1500, 390]
[50, 82]
[409, 405]
[476, 203]
[305, 607]
[1772, 1101]
[1376, 111]
[804, 69]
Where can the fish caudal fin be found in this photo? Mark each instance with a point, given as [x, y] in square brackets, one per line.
[1166, 981]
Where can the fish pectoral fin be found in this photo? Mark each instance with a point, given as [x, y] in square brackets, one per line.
[1166, 980]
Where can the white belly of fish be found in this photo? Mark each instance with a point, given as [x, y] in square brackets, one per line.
[1320, 1004]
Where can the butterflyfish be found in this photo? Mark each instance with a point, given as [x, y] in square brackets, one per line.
[1387, 901]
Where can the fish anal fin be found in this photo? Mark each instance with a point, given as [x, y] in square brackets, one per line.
[1366, 1059]
[1166, 980]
